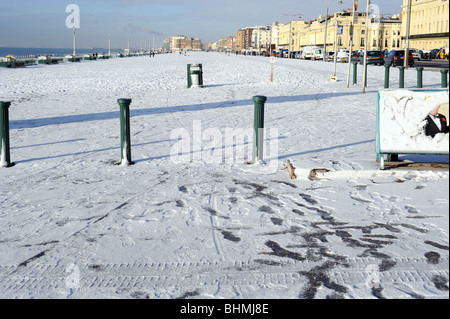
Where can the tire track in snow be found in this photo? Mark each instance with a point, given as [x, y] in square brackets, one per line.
[414, 276]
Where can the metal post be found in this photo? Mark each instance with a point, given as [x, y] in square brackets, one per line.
[401, 84]
[365, 77]
[271, 72]
[386, 76]
[366, 40]
[408, 31]
[325, 37]
[74, 42]
[258, 128]
[352, 26]
[419, 77]
[109, 45]
[290, 39]
[200, 77]
[355, 73]
[125, 136]
[5, 159]
[189, 76]
[444, 82]
[198, 73]
[335, 48]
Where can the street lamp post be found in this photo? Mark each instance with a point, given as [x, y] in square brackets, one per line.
[290, 39]
[335, 48]
[74, 42]
[352, 31]
[365, 47]
[328, 5]
[408, 26]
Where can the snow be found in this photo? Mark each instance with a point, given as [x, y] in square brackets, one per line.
[74, 224]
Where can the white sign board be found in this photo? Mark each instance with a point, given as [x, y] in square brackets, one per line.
[413, 122]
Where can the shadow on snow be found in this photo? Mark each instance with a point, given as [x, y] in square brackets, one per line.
[89, 117]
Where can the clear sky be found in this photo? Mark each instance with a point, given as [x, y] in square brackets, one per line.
[42, 23]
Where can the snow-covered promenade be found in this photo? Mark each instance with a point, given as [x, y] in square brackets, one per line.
[205, 224]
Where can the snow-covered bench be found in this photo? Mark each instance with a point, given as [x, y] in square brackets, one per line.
[403, 123]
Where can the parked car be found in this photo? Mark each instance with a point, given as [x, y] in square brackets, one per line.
[308, 52]
[342, 57]
[397, 58]
[329, 56]
[443, 53]
[434, 53]
[415, 54]
[373, 57]
[317, 54]
[425, 54]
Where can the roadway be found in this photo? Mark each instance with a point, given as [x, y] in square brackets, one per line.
[433, 64]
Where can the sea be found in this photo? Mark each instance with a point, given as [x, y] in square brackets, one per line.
[27, 52]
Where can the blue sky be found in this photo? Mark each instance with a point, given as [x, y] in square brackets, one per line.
[42, 23]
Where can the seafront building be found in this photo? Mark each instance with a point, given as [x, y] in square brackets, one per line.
[429, 29]
[261, 38]
[289, 36]
[383, 33]
[429, 24]
[244, 39]
[182, 43]
[227, 44]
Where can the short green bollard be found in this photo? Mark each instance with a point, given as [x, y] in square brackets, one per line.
[258, 129]
[125, 135]
[387, 68]
[401, 83]
[5, 159]
[444, 82]
[355, 73]
[419, 77]
[365, 80]
[195, 75]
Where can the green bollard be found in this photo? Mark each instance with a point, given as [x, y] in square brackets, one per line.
[365, 80]
[5, 160]
[355, 73]
[401, 84]
[189, 79]
[258, 129]
[386, 75]
[125, 135]
[444, 82]
[419, 77]
[197, 73]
